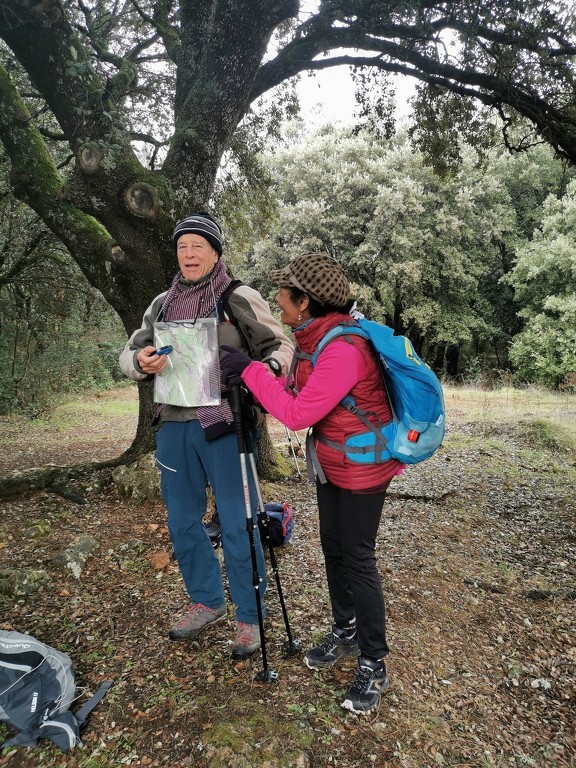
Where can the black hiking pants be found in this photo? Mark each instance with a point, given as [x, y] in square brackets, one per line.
[348, 527]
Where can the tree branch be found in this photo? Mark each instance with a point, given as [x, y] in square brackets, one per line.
[493, 88]
[37, 182]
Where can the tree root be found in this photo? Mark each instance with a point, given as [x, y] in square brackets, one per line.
[51, 478]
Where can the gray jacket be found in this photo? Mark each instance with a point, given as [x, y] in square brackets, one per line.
[261, 337]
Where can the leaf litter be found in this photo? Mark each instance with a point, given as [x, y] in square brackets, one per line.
[476, 552]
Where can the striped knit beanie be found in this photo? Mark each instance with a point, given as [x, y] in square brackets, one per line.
[200, 224]
[318, 275]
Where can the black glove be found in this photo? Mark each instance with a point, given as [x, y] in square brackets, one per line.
[232, 365]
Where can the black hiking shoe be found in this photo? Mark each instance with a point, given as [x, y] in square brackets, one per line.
[371, 681]
[340, 642]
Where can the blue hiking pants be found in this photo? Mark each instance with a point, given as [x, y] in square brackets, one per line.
[188, 462]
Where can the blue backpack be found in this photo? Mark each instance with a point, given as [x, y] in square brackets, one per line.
[415, 393]
[279, 522]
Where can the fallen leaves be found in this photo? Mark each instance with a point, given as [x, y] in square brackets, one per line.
[478, 676]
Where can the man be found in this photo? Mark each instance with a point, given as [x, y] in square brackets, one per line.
[197, 446]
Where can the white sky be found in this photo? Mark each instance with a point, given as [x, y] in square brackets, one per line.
[328, 96]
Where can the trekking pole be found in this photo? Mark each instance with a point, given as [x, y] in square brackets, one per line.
[236, 405]
[292, 647]
[293, 451]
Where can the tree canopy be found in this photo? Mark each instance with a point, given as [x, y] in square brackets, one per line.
[85, 85]
[116, 114]
[428, 254]
[544, 278]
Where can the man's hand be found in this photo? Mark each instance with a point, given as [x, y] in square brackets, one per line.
[150, 362]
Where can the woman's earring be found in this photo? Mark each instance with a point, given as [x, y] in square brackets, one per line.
[299, 318]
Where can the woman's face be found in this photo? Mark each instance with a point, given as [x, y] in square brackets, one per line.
[196, 257]
[291, 312]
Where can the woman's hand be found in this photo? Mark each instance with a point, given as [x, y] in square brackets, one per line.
[233, 365]
[150, 362]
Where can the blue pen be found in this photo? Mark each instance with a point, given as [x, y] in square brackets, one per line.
[163, 350]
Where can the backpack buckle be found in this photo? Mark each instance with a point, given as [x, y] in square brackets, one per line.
[350, 404]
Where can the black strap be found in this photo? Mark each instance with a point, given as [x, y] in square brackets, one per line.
[82, 714]
[290, 382]
[223, 309]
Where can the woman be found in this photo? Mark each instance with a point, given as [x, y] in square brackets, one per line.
[196, 446]
[314, 296]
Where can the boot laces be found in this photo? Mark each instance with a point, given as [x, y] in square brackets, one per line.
[329, 642]
[194, 608]
[362, 681]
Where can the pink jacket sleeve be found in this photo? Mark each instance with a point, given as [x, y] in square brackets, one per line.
[339, 368]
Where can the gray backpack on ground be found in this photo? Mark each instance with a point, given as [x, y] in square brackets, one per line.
[37, 688]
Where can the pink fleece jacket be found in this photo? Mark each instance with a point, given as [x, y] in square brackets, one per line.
[323, 390]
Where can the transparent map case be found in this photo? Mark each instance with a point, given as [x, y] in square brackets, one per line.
[191, 377]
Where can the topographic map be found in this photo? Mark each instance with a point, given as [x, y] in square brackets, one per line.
[192, 374]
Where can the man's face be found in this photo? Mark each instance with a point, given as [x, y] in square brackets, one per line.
[196, 257]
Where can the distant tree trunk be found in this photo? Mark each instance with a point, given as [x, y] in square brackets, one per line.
[272, 466]
[438, 363]
[145, 437]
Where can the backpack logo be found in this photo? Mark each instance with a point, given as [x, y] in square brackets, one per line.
[34, 701]
[15, 645]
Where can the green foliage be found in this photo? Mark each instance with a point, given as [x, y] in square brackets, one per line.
[375, 96]
[530, 179]
[70, 359]
[427, 253]
[57, 334]
[545, 282]
[416, 247]
[545, 351]
[444, 123]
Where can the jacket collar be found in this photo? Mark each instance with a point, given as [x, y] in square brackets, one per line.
[309, 337]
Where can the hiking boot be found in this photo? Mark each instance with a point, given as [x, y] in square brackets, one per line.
[246, 641]
[371, 681]
[198, 617]
[340, 642]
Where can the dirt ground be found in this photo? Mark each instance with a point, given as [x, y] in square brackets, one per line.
[476, 551]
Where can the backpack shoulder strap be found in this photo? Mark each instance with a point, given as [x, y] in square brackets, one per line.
[342, 329]
[223, 304]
